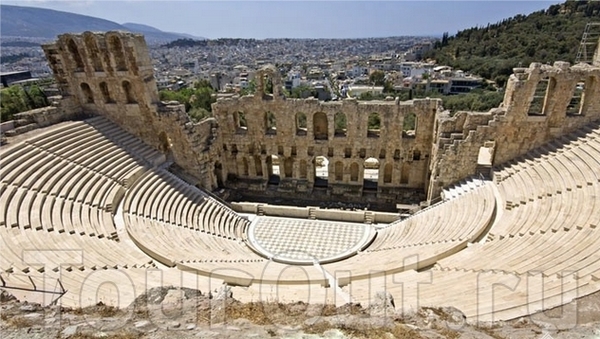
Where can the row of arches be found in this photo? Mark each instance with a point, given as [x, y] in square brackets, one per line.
[92, 50]
[88, 93]
[320, 124]
[579, 101]
[275, 167]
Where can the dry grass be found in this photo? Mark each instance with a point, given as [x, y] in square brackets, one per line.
[122, 335]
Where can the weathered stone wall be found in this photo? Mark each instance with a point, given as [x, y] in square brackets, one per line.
[247, 150]
[111, 74]
[571, 99]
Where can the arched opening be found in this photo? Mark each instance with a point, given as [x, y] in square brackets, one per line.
[245, 169]
[288, 167]
[273, 168]
[240, 122]
[321, 165]
[354, 172]
[542, 91]
[341, 124]
[218, 172]
[409, 125]
[300, 124]
[575, 104]
[320, 128]
[72, 47]
[87, 93]
[405, 174]
[93, 52]
[116, 47]
[374, 125]
[303, 169]
[590, 88]
[258, 166]
[270, 123]
[105, 93]
[130, 99]
[387, 173]
[371, 174]
[339, 171]
[416, 155]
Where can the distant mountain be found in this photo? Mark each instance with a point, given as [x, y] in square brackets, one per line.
[46, 23]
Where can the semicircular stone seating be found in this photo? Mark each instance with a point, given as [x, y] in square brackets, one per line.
[87, 203]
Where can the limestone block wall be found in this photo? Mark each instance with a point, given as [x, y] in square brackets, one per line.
[541, 103]
[111, 74]
[253, 129]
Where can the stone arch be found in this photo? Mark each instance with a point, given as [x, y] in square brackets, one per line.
[218, 172]
[405, 173]
[373, 125]
[543, 90]
[340, 124]
[105, 93]
[74, 50]
[129, 97]
[258, 166]
[270, 123]
[116, 47]
[339, 171]
[268, 83]
[321, 169]
[273, 168]
[288, 167]
[245, 167]
[320, 126]
[387, 173]
[241, 125]
[371, 173]
[409, 125]
[354, 171]
[87, 93]
[303, 169]
[93, 51]
[301, 124]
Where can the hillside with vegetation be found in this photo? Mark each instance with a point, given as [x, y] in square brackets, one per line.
[543, 36]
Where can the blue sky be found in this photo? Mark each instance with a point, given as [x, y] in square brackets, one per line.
[298, 19]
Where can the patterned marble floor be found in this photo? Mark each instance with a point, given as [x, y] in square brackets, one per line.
[304, 241]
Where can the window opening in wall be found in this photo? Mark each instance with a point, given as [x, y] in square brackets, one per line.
[303, 169]
[128, 92]
[320, 126]
[321, 165]
[330, 152]
[416, 155]
[574, 107]
[397, 154]
[341, 124]
[225, 147]
[405, 174]
[538, 102]
[371, 174]
[382, 153]
[362, 153]
[245, 167]
[72, 47]
[251, 148]
[105, 93]
[93, 52]
[258, 166]
[310, 151]
[348, 152]
[301, 124]
[234, 149]
[218, 172]
[288, 167]
[270, 123]
[354, 172]
[116, 48]
[374, 125]
[273, 168]
[240, 122]
[339, 171]
[280, 150]
[387, 173]
[409, 125]
[294, 151]
[267, 85]
[87, 93]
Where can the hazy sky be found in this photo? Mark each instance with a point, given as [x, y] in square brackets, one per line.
[298, 19]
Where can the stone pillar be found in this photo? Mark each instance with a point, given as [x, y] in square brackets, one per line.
[596, 60]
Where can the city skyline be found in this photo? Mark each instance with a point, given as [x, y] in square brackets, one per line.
[295, 19]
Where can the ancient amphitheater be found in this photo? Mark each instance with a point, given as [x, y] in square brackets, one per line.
[93, 204]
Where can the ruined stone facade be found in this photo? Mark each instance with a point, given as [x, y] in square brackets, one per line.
[111, 74]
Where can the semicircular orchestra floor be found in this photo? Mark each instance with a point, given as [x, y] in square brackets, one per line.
[304, 241]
